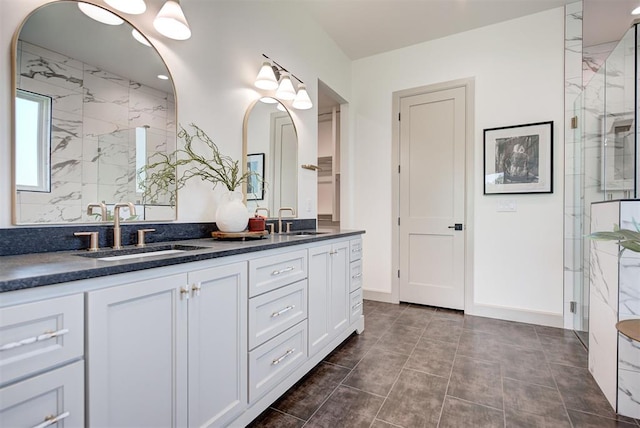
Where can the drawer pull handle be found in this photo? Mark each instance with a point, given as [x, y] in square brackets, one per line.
[356, 306]
[196, 289]
[50, 420]
[356, 250]
[356, 276]
[282, 311]
[333, 252]
[184, 292]
[29, 340]
[278, 272]
[286, 354]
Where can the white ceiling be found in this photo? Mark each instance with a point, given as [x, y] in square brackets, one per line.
[367, 27]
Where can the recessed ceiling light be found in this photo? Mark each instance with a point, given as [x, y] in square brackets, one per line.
[636, 11]
[163, 77]
[99, 14]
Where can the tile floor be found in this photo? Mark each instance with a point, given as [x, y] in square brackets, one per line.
[417, 366]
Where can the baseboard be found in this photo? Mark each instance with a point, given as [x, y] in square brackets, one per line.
[378, 296]
[520, 315]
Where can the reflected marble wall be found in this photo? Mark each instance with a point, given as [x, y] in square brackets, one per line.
[614, 296]
[94, 115]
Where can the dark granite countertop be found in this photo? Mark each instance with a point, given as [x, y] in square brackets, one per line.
[35, 270]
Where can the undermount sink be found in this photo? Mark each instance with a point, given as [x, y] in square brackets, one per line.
[307, 233]
[133, 253]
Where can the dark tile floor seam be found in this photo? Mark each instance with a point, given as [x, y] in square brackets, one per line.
[325, 400]
[473, 402]
[455, 355]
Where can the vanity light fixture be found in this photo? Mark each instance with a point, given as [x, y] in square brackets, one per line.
[171, 21]
[132, 7]
[99, 14]
[636, 11]
[139, 37]
[163, 77]
[267, 79]
[285, 89]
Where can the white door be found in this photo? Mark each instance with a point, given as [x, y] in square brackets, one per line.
[432, 198]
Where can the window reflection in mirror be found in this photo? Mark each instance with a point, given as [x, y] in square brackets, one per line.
[270, 134]
[109, 114]
[33, 131]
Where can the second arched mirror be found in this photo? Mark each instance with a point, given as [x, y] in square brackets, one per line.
[271, 147]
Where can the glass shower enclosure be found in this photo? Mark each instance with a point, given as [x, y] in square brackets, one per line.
[606, 165]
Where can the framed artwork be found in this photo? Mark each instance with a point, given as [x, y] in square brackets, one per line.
[519, 159]
[255, 184]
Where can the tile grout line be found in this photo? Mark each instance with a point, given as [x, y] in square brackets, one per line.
[453, 363]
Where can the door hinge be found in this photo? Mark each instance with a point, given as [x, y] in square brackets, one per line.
[398, 273]
[398, 116]
[574, 122]
[398, 169]
[573, 307]
[398, 221]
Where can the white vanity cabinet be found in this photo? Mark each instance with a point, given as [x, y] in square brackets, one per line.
[355, 280]
[169, 351]
[41, 363]
[328, 293]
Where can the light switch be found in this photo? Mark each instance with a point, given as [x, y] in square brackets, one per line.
[507, 205]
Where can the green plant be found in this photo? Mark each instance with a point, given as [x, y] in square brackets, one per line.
[628, 239]
[160, 177]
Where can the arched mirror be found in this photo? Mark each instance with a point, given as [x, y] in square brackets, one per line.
[90, 111]
[271, 147]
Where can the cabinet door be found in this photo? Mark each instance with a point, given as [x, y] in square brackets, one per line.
[328, 293]
[340, 270]
[217, 345]
[136, 355]
[319, 297]
[57, 394]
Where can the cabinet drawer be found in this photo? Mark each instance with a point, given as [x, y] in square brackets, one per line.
[355, 306]
[272, 313]
[269, 273]
[36, 336]
[355, 276]
[355, 249]
[57, 393]
[271, 362]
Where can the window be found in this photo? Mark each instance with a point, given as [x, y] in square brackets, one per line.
[33, 142]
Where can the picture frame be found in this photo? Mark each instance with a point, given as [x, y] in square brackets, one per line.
[518, 159]
[255, 183]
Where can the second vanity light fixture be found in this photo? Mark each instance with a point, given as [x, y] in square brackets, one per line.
[276, 77]
[170, 21]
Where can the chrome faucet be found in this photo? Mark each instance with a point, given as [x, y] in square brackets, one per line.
[103, 209]
[293, 214]
[262, 209]
[116, 222]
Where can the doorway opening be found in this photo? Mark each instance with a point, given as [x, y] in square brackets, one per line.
[329, 139]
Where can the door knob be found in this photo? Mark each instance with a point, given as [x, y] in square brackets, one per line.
[457, 226]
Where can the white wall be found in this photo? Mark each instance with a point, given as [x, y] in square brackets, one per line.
[518, 71]
[213, 73]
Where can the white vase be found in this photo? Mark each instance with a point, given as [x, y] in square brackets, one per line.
[232, 214]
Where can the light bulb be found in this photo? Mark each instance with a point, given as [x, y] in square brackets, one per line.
[285, 90]
[302, 100]
[266, 78]
[171, 21]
